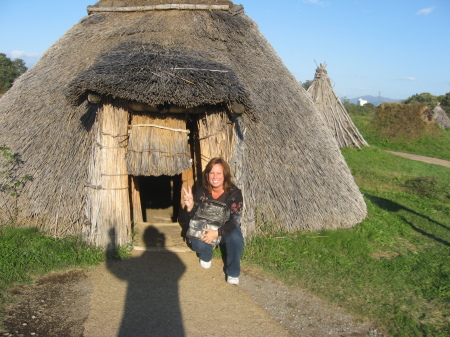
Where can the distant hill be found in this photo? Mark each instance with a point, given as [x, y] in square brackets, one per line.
[375, 100]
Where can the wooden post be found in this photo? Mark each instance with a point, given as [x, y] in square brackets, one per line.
[136, 200]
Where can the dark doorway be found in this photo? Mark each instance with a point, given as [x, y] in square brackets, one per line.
[160, 197]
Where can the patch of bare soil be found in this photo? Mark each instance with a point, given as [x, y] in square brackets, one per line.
[56, 305]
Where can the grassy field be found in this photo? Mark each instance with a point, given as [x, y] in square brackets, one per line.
[395, 266]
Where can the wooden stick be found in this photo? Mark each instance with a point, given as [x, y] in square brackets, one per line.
[161, 127]
[91, 9]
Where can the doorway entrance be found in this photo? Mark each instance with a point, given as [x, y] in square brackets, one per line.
[160, 198]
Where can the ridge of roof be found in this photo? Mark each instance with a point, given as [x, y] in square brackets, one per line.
[91, 9]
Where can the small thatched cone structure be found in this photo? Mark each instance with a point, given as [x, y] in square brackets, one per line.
[131, 92]
[441, 117]
[333, 111]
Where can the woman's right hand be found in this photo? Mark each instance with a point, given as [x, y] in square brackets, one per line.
[188, 198]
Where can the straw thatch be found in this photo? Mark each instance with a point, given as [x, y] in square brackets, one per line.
[157, 74]
[186, 62]
[333, 111]
[441, 117]
[107, 187]
[404, 121]
[157, 145]
[216, 137]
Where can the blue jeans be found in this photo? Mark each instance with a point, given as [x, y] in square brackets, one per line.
[234, 246]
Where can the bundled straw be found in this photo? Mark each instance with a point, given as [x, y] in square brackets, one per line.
[108, 190]
[158, 145]
[216, 137]
[333, 111]
[441, 117]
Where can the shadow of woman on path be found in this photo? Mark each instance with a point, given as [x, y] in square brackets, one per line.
[152, 305]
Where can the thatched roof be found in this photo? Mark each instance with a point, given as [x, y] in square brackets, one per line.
[159, 75]
[289, 166]
[441, 117]
[333, 111]
[404, 121]
[131, 3]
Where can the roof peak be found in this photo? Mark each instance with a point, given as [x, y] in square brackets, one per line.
[91, 9]
[139, 3]
[153, 5]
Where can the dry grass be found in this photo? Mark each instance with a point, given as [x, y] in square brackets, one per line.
[333, 111]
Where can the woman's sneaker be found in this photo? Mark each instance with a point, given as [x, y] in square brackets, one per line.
[233, 280]
[205, 264]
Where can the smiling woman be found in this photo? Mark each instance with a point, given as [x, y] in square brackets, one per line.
[217, 186]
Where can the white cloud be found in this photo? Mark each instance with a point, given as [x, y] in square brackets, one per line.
[29, 58]
[21, 54]
[314, 2]
[425, 11]
[409, 78]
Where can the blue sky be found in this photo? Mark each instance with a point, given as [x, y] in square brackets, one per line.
[392, 48]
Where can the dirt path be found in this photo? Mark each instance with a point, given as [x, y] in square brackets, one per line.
[424, 159]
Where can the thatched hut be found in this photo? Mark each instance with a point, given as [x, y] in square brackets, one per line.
[404, 122]
[441, 117]
[333, 111]
[154, 91]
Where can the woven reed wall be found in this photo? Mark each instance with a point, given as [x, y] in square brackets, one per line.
[108, 202]
[216, 137]
[158, 145]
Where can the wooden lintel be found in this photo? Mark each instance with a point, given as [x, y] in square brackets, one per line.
[91, 9]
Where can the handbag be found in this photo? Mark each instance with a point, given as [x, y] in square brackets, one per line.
[210, 214]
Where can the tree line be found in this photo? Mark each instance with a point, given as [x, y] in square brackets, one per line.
[9, 71]
[424, 98]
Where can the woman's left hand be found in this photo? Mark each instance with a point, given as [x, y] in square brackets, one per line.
[210, 235]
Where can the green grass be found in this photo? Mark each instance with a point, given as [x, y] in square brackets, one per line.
[25, 254]
[395, 266]
[436, 145]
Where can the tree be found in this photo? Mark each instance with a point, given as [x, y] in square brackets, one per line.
[356, 110]
[10, 182]
[424, 98]
[306, 84]
[9, 71]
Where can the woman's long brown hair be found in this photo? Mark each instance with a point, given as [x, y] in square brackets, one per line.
[227, 182]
